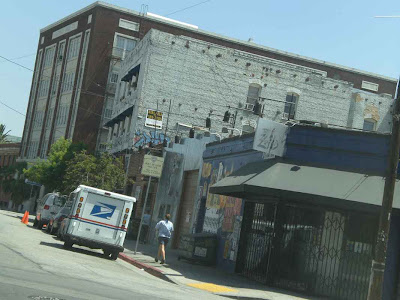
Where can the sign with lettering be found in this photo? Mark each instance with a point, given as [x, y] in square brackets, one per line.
[152, 166]
[270, 137]
[154, 119]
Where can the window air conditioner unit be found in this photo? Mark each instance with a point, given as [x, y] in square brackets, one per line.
[249, 106]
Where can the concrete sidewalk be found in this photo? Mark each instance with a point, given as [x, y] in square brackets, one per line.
[210, 279]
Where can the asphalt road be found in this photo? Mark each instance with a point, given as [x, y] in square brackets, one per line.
[34, 265]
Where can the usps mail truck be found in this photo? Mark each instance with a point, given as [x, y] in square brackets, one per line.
[98, 220]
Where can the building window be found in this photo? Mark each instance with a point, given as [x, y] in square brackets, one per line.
[253, 93]
[108, 113]
[55, 86]
[128, 25]
[290, 106]
[62, 115]
[73, 49]
[48, 57]
[32, 149]
[43, 151]
[128, 128]
[369, 125]
[38, 119]
[123, 45]
[114, 77]
[49, 117]
[60, 54]
[89, 19]
[43, 88]
[122, 87]
[68, 82]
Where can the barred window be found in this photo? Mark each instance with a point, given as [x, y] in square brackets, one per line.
[73, 49]
[48, 57]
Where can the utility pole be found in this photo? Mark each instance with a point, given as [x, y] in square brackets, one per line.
[143, 212]
[378, 264]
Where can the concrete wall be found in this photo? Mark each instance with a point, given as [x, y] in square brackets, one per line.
[185, 156]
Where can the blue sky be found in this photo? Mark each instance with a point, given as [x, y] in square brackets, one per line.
[342, 32]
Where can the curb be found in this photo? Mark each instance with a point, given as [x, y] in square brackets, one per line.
[149, 269]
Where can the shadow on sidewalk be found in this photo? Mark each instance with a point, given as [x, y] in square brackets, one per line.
[73, 249]
[198, 272]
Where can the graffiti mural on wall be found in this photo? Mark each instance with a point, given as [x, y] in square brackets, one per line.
[223, 213]
[143, 138]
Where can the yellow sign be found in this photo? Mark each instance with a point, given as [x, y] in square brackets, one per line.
[152, 166]
[154, 119]
[154, 115]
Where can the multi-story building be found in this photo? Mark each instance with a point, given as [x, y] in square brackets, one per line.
[75, 75]
[79, 56]
[193, 84]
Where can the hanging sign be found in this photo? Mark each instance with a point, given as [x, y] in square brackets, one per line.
[154, 119]
[270, 137]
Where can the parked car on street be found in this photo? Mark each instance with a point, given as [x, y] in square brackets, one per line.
[98, 220]
[48, 207]
[55, 221]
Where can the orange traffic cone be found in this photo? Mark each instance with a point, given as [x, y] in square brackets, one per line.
[25, 218]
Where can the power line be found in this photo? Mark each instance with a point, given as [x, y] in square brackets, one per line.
[186, 8]
[13, 109]
[24, 56]
[15, 63]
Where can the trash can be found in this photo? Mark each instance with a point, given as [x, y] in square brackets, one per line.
[199, 247]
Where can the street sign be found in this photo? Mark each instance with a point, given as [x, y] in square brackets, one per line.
[154, 119]
[32, 183]
[152, 166]
[270, 137]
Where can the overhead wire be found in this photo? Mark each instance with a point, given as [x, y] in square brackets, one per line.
[186, 8]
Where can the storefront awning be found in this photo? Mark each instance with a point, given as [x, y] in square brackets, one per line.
[283, 179]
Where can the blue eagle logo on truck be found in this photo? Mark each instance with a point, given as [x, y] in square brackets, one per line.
[102, 210]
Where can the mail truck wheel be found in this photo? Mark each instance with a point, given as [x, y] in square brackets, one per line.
[114, 255]
[67, 245]
[107, 253]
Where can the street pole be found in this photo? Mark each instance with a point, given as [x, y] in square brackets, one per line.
[378, 264]
[143, 210]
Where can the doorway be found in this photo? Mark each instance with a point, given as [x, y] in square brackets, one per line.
[184, 217]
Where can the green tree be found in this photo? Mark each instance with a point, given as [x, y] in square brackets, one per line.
[3, 134]
[12, 181]
[51, 172]
[104, 172]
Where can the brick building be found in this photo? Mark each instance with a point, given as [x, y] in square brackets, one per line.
[79, 56]
[8, 155]
[187, 80]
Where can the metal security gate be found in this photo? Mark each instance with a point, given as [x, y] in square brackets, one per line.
[316, 251]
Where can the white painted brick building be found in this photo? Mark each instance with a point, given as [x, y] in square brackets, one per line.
[189, 80]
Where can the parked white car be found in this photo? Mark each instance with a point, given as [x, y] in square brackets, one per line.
[47, 208]
[98, 220]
